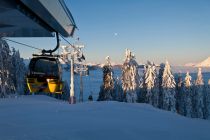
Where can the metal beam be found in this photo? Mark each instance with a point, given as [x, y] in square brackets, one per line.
[35, 18]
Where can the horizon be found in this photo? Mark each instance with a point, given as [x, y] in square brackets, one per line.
[178, 31]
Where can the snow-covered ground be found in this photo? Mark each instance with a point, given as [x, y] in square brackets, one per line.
[39, 117]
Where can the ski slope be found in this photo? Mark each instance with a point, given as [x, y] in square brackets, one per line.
[38, 117]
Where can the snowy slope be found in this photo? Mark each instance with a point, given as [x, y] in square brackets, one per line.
[205, 63]
[43, 118]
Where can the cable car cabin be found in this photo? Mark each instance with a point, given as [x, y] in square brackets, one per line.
[45, 75]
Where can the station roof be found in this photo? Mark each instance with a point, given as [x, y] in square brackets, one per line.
[35, 18]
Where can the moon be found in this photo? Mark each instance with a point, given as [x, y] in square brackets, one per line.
[115, 34]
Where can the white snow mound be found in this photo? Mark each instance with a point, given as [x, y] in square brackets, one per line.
[39, 117]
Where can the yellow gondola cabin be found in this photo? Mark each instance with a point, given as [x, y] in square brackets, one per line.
[45, 75]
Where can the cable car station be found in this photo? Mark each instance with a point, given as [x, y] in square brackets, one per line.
[40, 18]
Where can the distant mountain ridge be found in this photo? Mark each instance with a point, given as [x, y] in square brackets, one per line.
[190, 65]
[205, 63]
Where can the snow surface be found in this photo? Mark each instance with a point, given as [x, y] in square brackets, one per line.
[38, 117]
[205, 63]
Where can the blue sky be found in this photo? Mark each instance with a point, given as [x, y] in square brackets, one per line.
[177, 30]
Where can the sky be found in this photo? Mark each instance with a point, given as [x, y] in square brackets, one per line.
[155, 30]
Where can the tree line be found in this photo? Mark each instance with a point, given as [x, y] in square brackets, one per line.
[157, 87]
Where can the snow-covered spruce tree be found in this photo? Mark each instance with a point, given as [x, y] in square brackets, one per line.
[107, 89]
[160, 79]
[156, 93]
[207, 102]
[168, 87]
[18, 72]
[180, 96]
[6, 84]
[2, 83]
[141, 93]
[149, 81]
[118, 90]
[188, 92]
[199, 95]
[130, 77]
